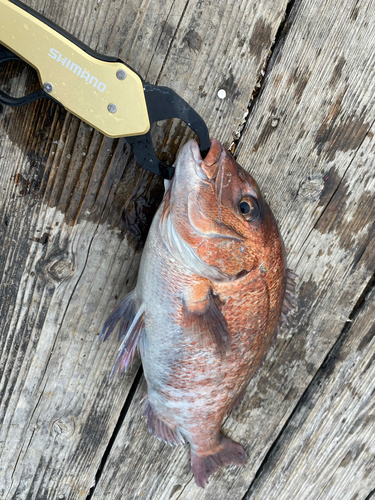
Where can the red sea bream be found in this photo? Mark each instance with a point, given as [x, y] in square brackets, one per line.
[212, 289]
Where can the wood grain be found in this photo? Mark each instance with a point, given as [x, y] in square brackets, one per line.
[310, 142]
[328, 448]
[74, 216]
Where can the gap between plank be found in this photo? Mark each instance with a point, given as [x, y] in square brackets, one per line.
[116, 430]
[319, 375]
[172, 42]
[281, 34]
[160, 36]
[371, 495]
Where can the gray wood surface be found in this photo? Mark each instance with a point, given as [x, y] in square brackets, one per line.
[75, 210]
[327, 449]
[74, 215]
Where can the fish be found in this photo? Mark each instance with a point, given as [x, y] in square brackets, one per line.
[212, 290]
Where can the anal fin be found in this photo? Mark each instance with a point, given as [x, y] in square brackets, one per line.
[161, 429]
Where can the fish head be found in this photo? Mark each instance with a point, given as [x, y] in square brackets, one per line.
[217, 209]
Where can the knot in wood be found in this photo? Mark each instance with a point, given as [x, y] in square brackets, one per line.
[60, 268]
[64, 427]
[312, 187]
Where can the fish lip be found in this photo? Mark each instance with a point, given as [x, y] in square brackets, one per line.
[195, 151]
[197, 157]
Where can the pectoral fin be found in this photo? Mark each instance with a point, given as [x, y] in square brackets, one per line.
[208, 324]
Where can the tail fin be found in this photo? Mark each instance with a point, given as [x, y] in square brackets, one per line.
[203, 466]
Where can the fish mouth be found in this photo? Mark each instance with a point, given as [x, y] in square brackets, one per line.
[195, 151]
[205, 168]
[197, 158]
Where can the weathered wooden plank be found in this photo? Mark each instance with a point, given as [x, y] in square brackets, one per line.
[310, 144]
[328, 448]
[74, 215]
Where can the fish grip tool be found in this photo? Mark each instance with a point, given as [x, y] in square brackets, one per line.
[101, 90]
[7, 55]
[164, 103]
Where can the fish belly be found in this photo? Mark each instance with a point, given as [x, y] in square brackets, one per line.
[190, 387]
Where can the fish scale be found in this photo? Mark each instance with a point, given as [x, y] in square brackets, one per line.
[212, 288]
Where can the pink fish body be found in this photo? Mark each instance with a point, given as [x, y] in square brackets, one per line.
[211, 290]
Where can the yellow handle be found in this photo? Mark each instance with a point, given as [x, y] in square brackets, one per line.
[107, 95]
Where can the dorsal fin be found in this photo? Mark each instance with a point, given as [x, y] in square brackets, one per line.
[133, 340]
[131, 330]
[124, 313]
[289, 304]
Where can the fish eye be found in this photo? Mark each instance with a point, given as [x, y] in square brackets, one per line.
[249, 209]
